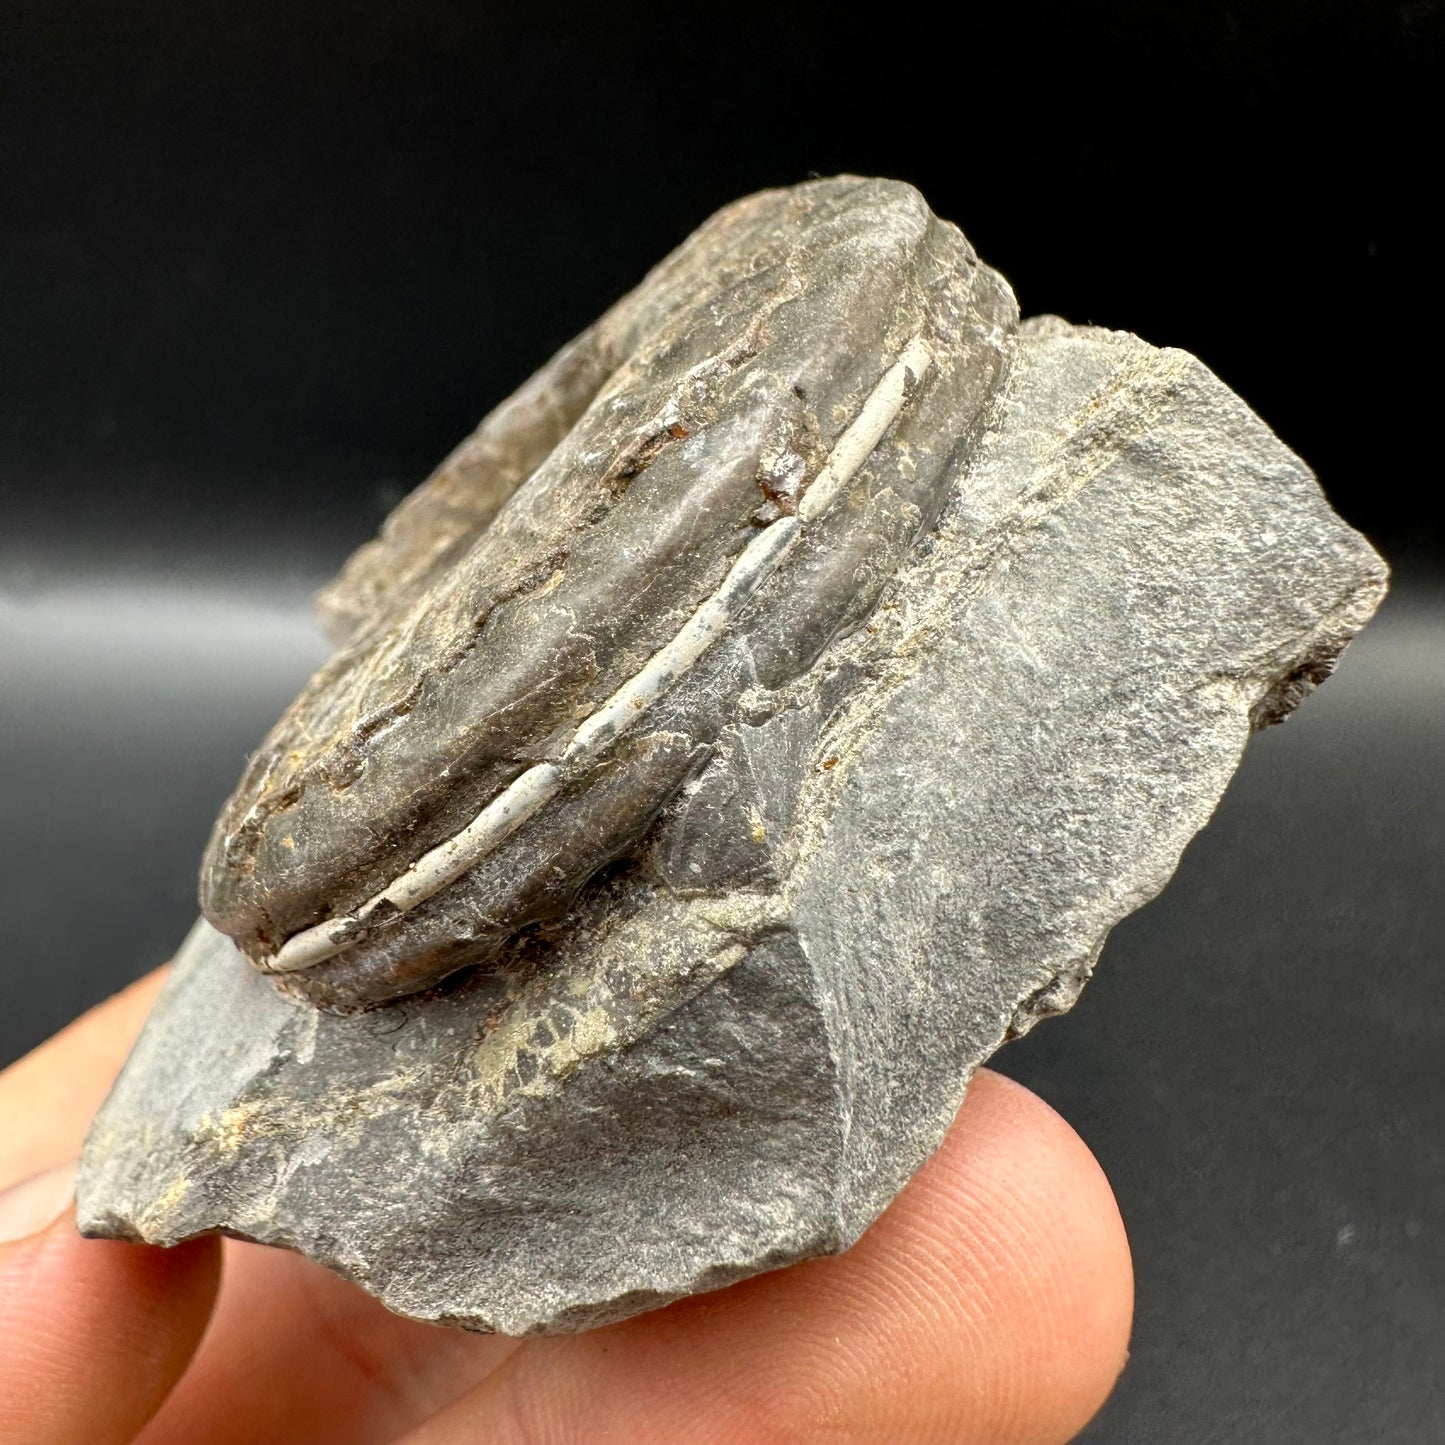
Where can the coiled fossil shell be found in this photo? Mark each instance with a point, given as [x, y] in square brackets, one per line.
[658, 534]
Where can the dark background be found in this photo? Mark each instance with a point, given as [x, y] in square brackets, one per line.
[262, 265]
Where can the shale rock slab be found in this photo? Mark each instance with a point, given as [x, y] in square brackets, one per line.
[743, 1042]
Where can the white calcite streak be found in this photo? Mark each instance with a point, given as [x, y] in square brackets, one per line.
[866, 430]
[757, 562]
[533, 789]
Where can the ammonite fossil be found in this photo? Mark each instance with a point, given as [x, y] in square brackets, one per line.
[654, 537]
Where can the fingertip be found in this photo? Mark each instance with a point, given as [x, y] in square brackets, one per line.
[93, 1333]
[1043, 1263]
[992, 1301]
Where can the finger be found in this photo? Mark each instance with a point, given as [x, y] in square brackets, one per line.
[47, 1099]
[990, 1303]
[336, 1367]
[92, 1333]
[336, 1362]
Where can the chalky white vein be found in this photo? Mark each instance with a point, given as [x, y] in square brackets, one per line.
[533, 789]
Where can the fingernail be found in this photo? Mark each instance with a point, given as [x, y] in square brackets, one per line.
[28, 1207]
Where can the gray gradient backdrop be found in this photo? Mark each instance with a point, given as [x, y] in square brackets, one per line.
[261, 265]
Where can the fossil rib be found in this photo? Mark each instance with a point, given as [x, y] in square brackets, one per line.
[533, 789]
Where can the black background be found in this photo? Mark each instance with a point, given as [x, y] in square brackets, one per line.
[261, 265]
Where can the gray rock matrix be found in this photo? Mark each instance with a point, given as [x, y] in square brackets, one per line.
[745, 1037]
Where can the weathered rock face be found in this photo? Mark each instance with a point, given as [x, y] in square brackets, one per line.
[724, 384]
[745, 1035]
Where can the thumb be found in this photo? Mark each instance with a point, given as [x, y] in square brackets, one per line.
[93, 1334]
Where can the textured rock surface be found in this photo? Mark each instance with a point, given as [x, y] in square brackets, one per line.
[742, 1044]
[721, 383]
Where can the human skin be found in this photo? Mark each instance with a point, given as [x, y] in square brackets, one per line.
[989, 1304]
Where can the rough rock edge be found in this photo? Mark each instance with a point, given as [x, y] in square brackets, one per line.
[1260, 692]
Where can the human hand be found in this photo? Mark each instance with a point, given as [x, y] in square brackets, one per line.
[990, 1303]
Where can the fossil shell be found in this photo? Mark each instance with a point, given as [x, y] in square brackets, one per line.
[657, 534]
